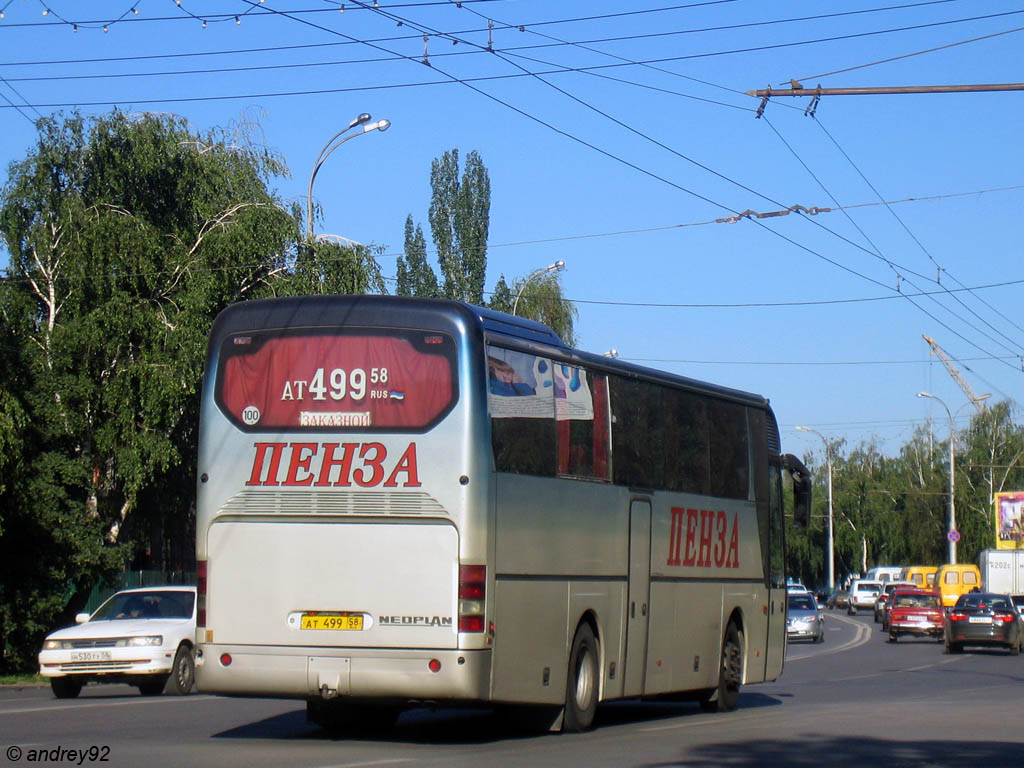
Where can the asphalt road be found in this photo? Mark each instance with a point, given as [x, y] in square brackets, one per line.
[855, 700]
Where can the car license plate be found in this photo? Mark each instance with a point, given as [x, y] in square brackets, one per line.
[352, 621]
[980, 620]
[90, 656]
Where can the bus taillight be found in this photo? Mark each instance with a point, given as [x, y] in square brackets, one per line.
[201, 593]
[472, 590]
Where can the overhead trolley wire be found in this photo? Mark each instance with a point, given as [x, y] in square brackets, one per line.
[893, 266]
[921, 245]
[700, 165]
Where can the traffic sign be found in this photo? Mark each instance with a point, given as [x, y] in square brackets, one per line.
[953, 536]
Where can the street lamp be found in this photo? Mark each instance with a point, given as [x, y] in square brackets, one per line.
[951, 534]
[831, 546]
[335, 142]
[558, 265]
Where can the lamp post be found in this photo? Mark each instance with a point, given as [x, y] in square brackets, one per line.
[336, 141]
[951, 534]
[831, 546]
[558, 265]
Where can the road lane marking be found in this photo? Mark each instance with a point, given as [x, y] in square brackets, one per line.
[392, 761]
[91, 705]
[701, 721]
[862, 637]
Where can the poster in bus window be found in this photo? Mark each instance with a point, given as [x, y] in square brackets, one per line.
[1010, 520]
[519, 385]
[573, 401]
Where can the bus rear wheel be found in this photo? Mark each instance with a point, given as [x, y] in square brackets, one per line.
[582, 683]
[725, 696]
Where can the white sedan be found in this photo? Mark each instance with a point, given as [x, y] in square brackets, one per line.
[142, 637]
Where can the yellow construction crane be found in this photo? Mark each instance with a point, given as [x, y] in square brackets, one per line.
[978, 400]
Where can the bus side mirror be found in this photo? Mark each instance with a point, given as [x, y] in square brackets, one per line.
[801, 489]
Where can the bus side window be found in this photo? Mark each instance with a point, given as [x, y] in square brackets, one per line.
[686, 442]
[581, 409]
[638, 433]
[730, 454]
[776, 530]
[521, 402]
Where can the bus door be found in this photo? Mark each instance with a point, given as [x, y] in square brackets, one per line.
[639, 595]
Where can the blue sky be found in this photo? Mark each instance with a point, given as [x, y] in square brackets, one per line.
[615, 135]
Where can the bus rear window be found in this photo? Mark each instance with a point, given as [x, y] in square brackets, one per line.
[337, 381]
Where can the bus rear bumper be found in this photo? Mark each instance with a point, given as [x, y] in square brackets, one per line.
[304, 673]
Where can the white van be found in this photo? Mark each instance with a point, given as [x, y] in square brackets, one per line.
[884, 573]
[863, 593]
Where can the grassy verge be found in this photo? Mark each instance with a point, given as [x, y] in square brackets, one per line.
[21, 679]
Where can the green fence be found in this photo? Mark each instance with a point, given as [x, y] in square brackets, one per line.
[132, 579]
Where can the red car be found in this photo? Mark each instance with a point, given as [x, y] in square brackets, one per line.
[915, 612]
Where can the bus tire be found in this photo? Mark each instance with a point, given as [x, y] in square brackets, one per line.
[582, 682]
[725, 696]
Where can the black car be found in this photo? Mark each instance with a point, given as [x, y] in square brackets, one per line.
[983, 618]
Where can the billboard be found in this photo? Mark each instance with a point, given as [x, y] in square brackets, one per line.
[1009, 509]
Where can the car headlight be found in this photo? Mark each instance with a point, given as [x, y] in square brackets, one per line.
[55, 645]
[145, 640]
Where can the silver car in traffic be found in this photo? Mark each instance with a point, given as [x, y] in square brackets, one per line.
[804, 618]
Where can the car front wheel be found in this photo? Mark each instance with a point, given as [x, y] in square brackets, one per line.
[183, 674]
[65, 687]
[153, 687]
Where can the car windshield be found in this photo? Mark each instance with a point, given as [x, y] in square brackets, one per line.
[917, 601]
[146, 605]
[802, 603]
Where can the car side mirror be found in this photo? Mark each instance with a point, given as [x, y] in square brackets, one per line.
[81, 618]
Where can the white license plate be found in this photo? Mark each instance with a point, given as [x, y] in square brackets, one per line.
[980, 620]
[90, 656]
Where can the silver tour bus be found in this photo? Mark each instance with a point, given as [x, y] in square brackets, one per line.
[404, 501]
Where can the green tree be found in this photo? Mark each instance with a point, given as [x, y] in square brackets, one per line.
[502, 297]
[126, 237]
[542, 300]
[327, 267]
[459, 221]
[989, 460]
[924, 500]
[415, 275]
